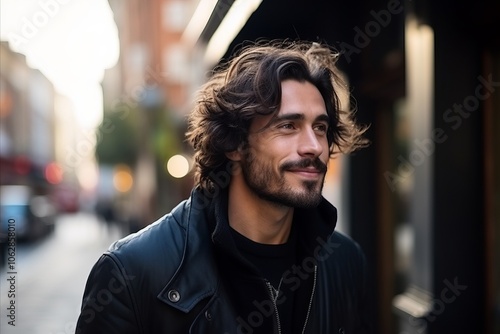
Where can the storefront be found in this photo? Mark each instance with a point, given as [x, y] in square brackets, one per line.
[424, 199]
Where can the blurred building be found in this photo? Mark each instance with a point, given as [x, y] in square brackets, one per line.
[36, 129]
[148, 88]
[27, 115]
[424, 199]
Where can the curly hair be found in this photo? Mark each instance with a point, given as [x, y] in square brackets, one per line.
[249, 85]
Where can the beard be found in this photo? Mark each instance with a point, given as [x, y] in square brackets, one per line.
[262, 179]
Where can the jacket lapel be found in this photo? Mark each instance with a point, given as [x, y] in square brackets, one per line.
[196, 277]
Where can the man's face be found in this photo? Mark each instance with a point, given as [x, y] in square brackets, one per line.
[286, 158]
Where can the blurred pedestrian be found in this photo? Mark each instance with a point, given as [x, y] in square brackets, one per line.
[254, 249]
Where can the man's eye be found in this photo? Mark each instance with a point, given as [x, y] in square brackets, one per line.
[287, 126]
[321, 127]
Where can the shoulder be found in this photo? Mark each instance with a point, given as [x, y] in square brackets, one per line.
[340, 243]
[165, 237]
[164, 241]
[150, 238]
[346, 243]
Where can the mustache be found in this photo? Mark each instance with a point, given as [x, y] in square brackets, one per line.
[304, 163]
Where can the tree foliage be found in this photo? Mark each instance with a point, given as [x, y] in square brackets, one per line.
[117, 139]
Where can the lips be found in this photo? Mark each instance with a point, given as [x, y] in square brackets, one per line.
[305, 170]
[307, 174]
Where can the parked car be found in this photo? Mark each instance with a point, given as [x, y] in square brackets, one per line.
[34, 215]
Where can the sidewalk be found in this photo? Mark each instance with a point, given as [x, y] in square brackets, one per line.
[49, 277]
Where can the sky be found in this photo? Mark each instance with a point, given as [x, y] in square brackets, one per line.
[71, 42]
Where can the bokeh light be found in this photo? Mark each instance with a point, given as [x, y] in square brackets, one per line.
[178, 166]
[54, 173]
[122, 178]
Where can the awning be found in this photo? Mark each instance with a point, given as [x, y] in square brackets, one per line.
[215, 23]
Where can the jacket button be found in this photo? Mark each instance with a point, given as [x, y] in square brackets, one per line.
[174, 296]
[208, 315]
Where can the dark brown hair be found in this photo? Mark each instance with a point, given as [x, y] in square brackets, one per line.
[249, 85]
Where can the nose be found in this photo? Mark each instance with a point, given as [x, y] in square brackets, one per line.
[310, 144]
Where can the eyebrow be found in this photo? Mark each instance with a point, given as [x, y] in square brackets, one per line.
[298, 116]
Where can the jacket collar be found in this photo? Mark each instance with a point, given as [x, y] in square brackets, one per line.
[205, 215]
[315, 223]
[196, 276]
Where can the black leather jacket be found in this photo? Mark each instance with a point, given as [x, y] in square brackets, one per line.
[164, 279]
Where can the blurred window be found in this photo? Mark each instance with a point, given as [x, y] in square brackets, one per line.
[175, 63]
[175, 16]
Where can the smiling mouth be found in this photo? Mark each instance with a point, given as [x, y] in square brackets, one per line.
[306, 168]
[306, 172]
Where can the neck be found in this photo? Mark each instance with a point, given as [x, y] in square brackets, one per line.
[257, 219]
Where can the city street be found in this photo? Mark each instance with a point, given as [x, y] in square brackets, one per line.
[49, 276]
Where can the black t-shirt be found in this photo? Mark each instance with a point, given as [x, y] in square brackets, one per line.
[273, 261]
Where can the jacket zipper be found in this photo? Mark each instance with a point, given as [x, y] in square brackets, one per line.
[311, 300]
[270, 289]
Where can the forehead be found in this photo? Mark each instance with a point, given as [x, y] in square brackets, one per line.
[298, 98]
[301, 96]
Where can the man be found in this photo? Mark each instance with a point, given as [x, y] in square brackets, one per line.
[253, 250]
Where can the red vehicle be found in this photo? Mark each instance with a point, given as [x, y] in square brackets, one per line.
[66, 199]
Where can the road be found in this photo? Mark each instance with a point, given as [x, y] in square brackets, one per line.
[49, 277]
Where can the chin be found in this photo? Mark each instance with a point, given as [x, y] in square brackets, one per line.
[304, 200]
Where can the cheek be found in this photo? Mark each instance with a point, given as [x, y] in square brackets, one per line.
[270, 157]
[271, 149]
